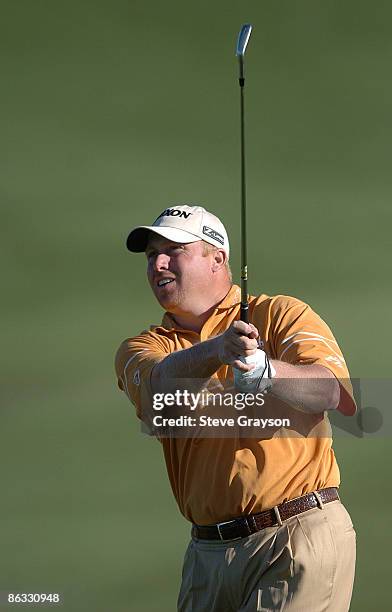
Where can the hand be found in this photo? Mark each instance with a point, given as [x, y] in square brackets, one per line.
[240, 340]
[259, 379]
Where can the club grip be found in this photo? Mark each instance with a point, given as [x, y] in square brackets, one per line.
[244, 313]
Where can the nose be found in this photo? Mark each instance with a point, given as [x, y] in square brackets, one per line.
[161, 262]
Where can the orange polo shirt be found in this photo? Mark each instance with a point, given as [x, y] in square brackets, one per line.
[216, 479]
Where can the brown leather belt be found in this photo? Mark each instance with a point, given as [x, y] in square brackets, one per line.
[250, 523]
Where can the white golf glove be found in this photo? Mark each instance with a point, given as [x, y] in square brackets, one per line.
[258, 379]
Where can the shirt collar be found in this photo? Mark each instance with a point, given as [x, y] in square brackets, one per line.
[231, 299]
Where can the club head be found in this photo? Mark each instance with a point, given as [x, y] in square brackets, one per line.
[243, 39]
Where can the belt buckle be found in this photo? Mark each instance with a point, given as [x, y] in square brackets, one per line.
[218, 526]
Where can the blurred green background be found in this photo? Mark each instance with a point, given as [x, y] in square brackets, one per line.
[110, 111]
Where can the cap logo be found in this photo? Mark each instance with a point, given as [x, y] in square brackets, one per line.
[211, 233]
[174, 212]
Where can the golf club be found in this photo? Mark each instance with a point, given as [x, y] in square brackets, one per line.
[243, 39]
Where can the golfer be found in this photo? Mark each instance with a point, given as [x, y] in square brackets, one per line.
[268, 528]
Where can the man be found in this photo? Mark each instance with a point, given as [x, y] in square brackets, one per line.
[269, 531]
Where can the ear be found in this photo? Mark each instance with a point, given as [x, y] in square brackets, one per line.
[219, 260]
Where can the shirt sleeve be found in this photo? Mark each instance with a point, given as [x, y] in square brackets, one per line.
[300, 336]
[134, 362]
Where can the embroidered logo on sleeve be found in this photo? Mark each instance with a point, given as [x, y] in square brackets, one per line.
[136, 376]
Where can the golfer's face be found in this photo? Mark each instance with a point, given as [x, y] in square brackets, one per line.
[176, 272]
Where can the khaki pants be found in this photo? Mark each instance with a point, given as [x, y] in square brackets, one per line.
[305, 565]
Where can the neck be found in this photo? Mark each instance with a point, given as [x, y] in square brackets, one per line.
[194, 321]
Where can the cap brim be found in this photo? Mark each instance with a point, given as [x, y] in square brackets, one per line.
[138, 238]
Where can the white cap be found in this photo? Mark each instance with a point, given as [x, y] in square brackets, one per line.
[182, 223]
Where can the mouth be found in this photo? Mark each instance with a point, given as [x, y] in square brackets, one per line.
[164, 281]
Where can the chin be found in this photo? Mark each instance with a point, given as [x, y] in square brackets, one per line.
[167, 303]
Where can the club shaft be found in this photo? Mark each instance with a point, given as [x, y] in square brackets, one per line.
[244, 269]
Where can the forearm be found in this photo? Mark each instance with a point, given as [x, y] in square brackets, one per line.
[198, 362]
[312, 388]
